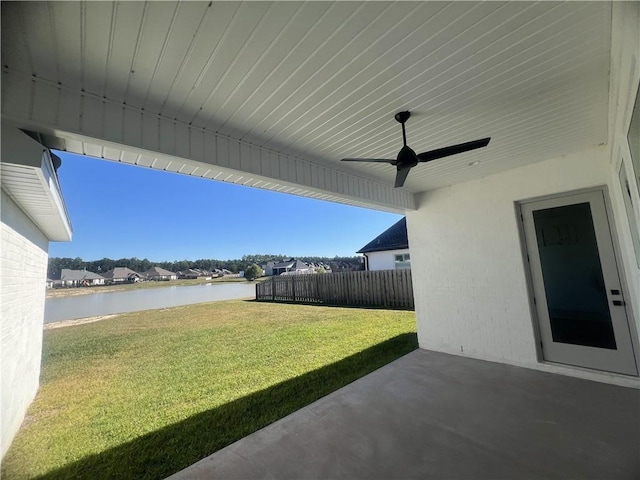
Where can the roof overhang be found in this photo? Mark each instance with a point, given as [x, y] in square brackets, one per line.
[28, 176]
[275, 94]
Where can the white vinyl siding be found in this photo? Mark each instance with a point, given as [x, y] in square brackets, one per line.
[384, 260]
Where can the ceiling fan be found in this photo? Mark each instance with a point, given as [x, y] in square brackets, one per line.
[407, 158]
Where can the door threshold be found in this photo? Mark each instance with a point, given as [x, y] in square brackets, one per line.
[602, 376]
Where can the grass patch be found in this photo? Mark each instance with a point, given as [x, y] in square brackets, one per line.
[145, 394]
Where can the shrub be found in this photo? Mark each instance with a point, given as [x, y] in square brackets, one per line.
[252, 272]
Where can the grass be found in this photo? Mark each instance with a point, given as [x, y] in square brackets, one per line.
[145, 394]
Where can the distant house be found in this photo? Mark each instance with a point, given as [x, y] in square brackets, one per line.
[321, 267]
[194, 273]
[122, 275]
[80, 278]
[389, 250]
[337, 267]
[291, 266]
[159, 274]
[228, 273]
[267, 268]
[326, 266]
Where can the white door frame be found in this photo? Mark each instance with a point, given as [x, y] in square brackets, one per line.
[594, 356]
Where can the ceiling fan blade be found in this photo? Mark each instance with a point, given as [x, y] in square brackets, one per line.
[401, 176]
[453, 150]
[381, 160]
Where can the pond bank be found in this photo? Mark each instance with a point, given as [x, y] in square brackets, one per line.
[78, 321]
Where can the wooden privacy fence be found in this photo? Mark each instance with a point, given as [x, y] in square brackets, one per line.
[384, 288]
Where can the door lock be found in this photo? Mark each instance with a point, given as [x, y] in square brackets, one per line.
[618, 303]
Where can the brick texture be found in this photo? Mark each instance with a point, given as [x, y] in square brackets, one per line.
[23, 270]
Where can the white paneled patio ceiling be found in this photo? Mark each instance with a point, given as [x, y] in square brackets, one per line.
[321, 81]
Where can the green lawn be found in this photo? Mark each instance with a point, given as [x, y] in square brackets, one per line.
[146, 394]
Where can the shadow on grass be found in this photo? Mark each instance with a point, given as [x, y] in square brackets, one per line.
[333, 305]
[172, 448]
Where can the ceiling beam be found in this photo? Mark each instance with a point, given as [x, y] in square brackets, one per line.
[83, 123]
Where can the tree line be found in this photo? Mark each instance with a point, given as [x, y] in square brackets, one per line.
[56, 264]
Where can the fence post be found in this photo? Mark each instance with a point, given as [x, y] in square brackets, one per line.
[410, 286]
[273, 288]
[293, 288]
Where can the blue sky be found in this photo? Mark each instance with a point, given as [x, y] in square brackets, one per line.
[119, 211]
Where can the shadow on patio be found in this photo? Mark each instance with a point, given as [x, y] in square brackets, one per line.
[432, 415]
[200, 435]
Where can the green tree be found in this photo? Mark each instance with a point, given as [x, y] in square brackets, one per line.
[56, 265]
[252, 272]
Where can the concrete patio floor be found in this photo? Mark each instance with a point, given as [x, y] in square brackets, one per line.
[432, 415]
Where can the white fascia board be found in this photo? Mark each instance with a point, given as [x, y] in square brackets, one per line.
[135, 156]
[134, 130]
[27, 175]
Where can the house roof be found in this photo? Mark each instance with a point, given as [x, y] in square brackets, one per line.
[301, 265]
[293, 263]
[158, 272]
[287, 264]
[393, 238]
[195, 271]
[121, 272]
[68, 275]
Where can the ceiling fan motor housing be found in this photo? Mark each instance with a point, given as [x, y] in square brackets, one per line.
[407, 158]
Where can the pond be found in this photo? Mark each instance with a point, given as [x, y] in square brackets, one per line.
[81, 306]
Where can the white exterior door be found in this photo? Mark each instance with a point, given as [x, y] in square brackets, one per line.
[576, 283]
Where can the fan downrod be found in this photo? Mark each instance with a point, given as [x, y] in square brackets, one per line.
[402, 117]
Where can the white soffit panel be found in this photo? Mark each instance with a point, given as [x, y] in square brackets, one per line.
[28, 177]
[320, 81]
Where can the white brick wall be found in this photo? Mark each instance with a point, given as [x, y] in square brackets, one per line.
[467, 264]
[23, 271]
[625, 63]
[384, 260]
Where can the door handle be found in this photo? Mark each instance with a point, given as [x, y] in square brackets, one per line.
[618, 303]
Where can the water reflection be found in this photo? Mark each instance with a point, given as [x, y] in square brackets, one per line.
[81, 306]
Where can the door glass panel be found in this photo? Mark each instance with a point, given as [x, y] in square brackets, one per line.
[572, 276]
